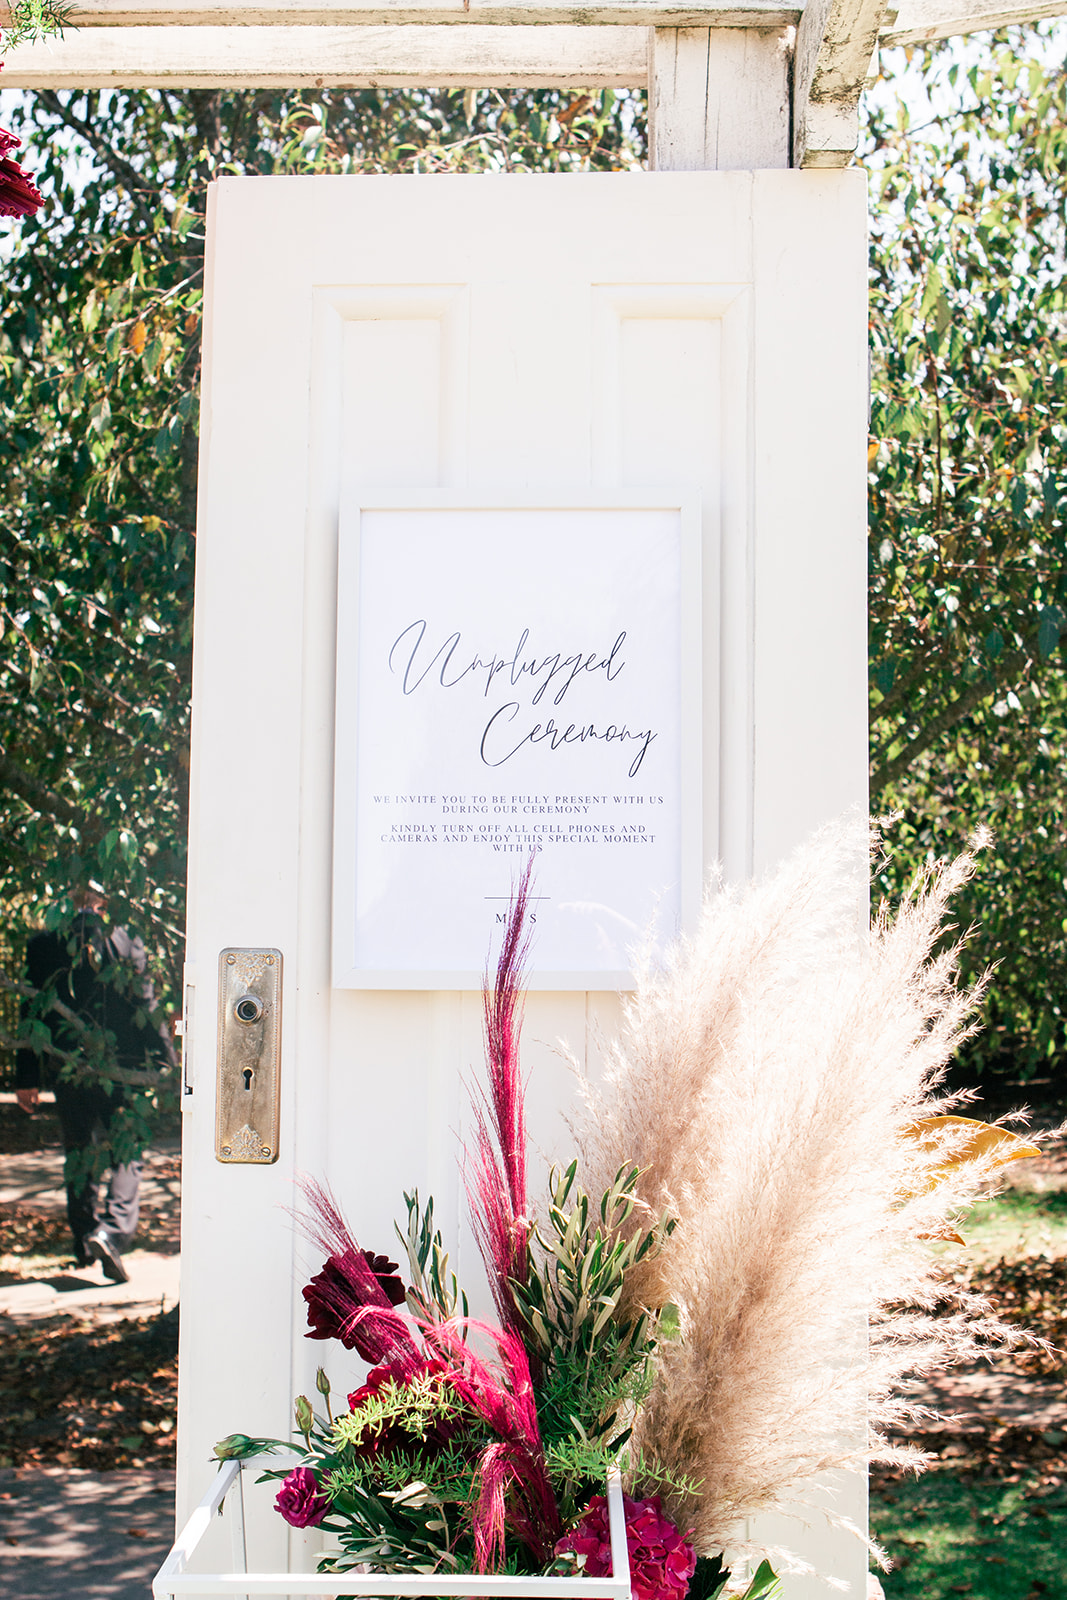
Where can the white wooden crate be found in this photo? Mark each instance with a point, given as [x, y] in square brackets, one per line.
[227, 1491]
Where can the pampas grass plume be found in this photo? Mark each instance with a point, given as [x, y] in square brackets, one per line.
[764, 1082]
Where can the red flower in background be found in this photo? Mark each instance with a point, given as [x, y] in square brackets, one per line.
[661, 1562]
[393, 1439]
[19, 197]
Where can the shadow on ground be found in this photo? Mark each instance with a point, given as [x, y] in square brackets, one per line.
[67, 1534]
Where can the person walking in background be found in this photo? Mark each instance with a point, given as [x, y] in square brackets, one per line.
[101, 977]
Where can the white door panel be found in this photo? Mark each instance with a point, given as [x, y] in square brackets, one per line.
[492, 332]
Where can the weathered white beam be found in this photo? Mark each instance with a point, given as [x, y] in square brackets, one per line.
[619, 13]
[299, 57]
[718, 99]
[835, 42]
[922, 21]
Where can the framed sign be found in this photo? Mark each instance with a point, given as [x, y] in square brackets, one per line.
[515, 677]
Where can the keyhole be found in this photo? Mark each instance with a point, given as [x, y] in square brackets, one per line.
[248, 1075]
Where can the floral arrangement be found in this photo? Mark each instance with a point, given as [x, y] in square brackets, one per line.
[678, 1307]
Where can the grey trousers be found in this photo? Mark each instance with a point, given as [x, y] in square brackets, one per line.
[85, 1117]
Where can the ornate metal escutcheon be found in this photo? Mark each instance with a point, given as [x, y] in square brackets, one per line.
[249, 1039]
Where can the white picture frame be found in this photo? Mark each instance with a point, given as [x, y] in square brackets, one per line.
[458, 615]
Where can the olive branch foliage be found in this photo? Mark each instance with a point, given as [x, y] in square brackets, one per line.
[434, 1293]
[595, 1365]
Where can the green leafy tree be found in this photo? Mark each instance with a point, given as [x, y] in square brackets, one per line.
[968, 493]
[100, 326]
[99, 365]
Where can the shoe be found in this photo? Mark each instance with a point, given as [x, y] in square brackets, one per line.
[82, 1258]
[101, 1247]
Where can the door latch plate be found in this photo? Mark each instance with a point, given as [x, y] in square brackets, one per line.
[247, 1096]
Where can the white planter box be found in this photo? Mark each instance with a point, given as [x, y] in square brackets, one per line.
[174, 1578]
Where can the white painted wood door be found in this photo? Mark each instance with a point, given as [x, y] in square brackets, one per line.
[498, 333]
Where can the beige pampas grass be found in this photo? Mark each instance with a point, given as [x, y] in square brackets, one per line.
[764, 1082]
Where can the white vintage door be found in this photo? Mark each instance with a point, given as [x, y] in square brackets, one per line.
[511, 334]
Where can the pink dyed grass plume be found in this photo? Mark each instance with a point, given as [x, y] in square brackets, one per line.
[495, 1169]
[514, 1488]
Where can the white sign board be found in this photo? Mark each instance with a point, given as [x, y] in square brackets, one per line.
[514, 679]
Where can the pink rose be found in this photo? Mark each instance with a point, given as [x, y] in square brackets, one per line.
[300, 1500]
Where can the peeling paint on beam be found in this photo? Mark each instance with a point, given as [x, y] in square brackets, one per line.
[835, 42]
[357, 58]
[923, 21]
[378, 13]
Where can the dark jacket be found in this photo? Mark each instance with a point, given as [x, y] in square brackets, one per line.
[102, 977]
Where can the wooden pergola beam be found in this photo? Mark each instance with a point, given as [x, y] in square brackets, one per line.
[717, 71]
[333, 57]
[923, 21]
[433, 13]
[907, 22]
[835, 42]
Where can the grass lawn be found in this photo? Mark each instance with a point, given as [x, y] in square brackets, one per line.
[992, 1540]
[991, 1520]
[1017, 1223]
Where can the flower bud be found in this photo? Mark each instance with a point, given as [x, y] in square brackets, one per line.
[233, 1446]
[322, 1382]
[304, 1414]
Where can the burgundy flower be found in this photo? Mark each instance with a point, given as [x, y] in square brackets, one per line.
[348, 1300]
[18, 195]
[388, 1441]
[300, 1500]
[661, 1562]
[386, 1273]
[331, 1300]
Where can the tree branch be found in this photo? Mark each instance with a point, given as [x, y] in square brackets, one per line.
[901, 690]
[133, 1076]
[39, 797]
[101, 146]
[962, 706]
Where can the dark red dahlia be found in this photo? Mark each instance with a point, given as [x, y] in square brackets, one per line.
[387, 1274]
[18, 196]
[334, 1299]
